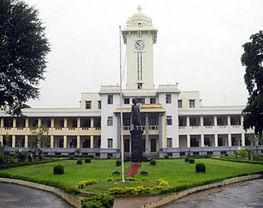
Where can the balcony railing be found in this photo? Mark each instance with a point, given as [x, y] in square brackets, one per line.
[153, 127]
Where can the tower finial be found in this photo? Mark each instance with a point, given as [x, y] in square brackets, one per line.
[139, 8]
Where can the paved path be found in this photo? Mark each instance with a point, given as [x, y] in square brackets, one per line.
[14, 196]
[247, 194]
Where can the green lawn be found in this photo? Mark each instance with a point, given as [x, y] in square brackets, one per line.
[176, 172]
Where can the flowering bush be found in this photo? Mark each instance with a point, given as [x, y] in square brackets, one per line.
[83, 184]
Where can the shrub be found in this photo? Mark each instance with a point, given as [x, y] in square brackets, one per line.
[87, 160]
[118, 163]
[186, 159]
[242, 153]
[144, 173]
[83, 184]
[166, 157]
[162, 182]
[191, 161]
[58, 170]
[79, 162]
[71, 157]
[130, 190]
[98, 201]
[145, 179]
[152, 162]
[200, 168]
[116, 173]
[110, 179]
[130, 179]
[21, 156]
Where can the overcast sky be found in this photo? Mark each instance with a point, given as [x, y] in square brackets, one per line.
[199, 45]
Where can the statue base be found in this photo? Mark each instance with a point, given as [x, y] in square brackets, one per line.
[136, 145]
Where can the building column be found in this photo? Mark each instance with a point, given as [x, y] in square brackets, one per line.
[78, 122]
[1, 140]
[14, 123]
[52, 123]
[188, 141]
[215, 121]
[92, 122]
[13, 141]
[229, 140]
[91, 142]
[51, 141]
[201, 121]
[65, 142]
[78, 141]
[26, 141]
[243, 140]
[202, 140]
[39, 123]
[228, 121]
[187, 121]
[65, 123]
[2, 122]
[147, 148]
[27, 123]
[216, 140]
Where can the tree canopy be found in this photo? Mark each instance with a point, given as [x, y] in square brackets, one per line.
[252, 59]
[23, 51]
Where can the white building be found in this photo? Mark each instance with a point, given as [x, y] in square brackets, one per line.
[174, 122]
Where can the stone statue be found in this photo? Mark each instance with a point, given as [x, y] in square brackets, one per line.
[135, 115]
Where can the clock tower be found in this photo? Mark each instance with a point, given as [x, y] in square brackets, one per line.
[139, 37]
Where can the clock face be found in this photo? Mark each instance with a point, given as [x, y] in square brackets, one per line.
[139, 45]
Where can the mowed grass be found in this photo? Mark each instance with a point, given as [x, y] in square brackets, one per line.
[176, 172]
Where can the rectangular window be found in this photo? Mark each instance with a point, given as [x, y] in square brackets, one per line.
[169, 142]
[182, 121]
[126, 100]
[169, 120]
[88, 104]
[191, 103]
[141, 100]
[99, 104]
[168, 98]
[109, 121]
[152, 100]
[110, 142]
[110, 99]
[180, 103]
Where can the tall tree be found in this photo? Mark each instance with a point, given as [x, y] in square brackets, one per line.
[23, 51]
[39, 139]
[252, 59]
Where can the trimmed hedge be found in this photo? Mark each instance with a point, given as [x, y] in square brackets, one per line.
[118, 163]
[98, 201]
[79, 162]
[152, 162]
[200, 168]
[58, 170]
[191, 160]
[56, 184]
[238, 160]
[144, 173]
[87, 160]
[18, 164]
[116, 173]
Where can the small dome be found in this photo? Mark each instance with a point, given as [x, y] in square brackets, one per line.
[139, 19]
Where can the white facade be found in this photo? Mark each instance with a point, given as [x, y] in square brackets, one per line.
[174, 122]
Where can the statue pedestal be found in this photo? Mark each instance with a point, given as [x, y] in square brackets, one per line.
[136, 145]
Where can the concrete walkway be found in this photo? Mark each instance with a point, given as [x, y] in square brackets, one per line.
[245, 194]
[14, 196]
